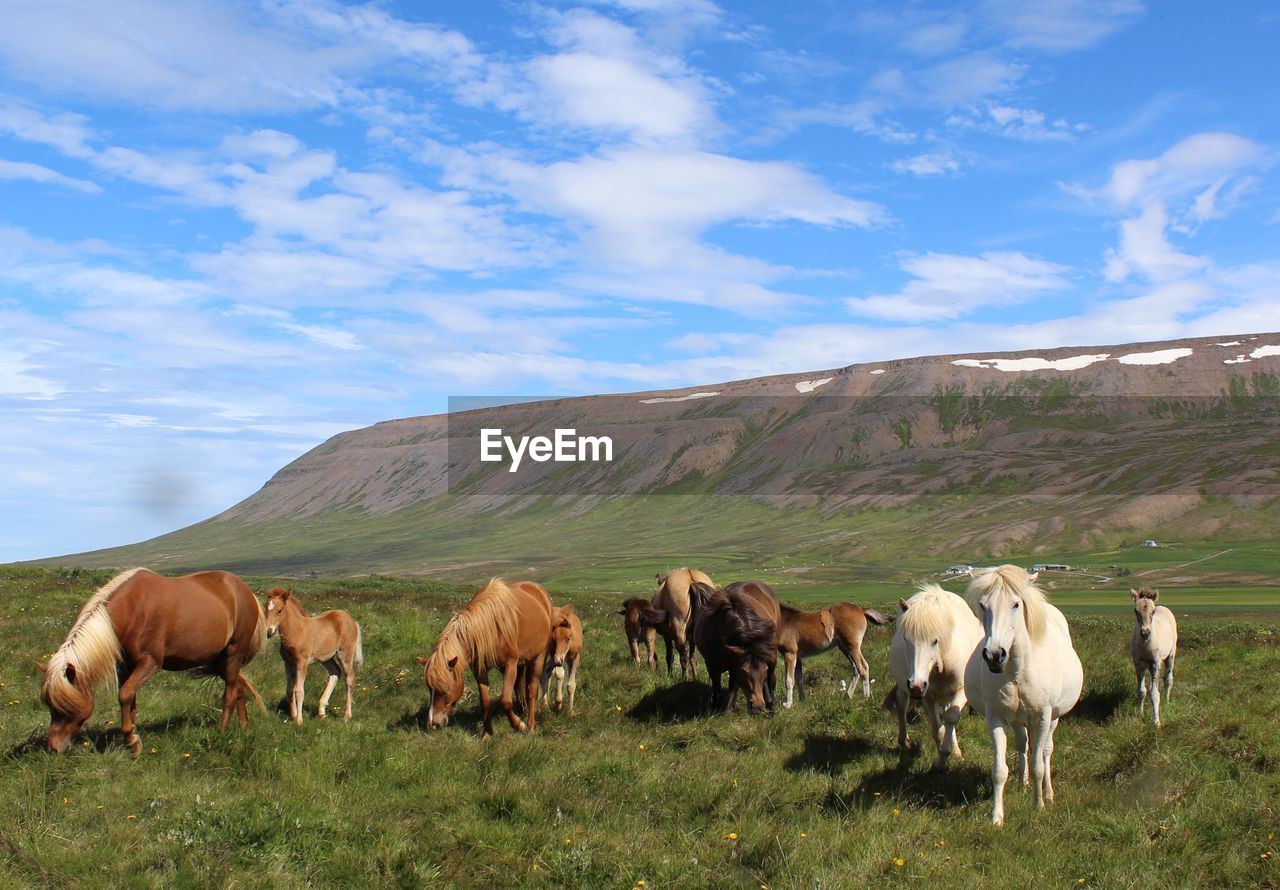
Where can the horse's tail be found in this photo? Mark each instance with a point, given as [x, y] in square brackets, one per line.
[253, 693]
[876, 617]
[358, 661]
[259, 638]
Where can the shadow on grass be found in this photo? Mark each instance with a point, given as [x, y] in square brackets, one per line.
[827, 754]
[463, 719]
[672, 704]
[103, 738]
[1099, 705]
[961, 785]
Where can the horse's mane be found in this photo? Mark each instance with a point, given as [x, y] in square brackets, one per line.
[1010, 580]
[929, 615]
[288, 596]
[475, 633]
[744, 627]
[1146, 593]
[91, 649]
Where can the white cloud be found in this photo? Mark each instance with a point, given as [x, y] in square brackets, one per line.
[1059, 25]
[1195, 162]
[947, 286]
[931, 164]
[1026, 124]
[1144, 248]
[16, 170]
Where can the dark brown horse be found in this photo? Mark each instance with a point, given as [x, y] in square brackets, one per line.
[736, 631]
[504, 626]
[140, 623]
[637, 630]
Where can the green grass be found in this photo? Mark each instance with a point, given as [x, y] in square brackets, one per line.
[639, 785]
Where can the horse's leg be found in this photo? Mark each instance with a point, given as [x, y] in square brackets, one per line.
[932, 709]
[546, 687]
[1168, 676]
[486, 701]
[950, 746]
[999, 770]
[299, 683]
[855, 667]
[232, 695]
[651, 643]
[1155, 690]
[573, 682]
[509, 671]
[714, 677]
[535, 671]
[1142, 685]
[865, 670]
[788, 676]
[1048, 761]
[1039, 733]
[635, 649]
[800, 678]
[904, 743]
[349, 674]
[770, 681]
[670, 654]
[143, 670]
[334, 668]
[1020, 749]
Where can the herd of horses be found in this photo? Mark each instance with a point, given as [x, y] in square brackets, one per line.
[1004, 650]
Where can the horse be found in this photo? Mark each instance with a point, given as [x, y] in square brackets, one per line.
[1154, 647]
[637, 630]
[1026, 674]
[139, 623]
[672, 615]
[935, 635]
[736, 631]
[563, 651]
[805, 634]
[503, 626]
[332, 638]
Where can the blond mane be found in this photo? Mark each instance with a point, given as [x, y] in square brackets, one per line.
[928, 616]
[475, 634]
[1009, 581]
[91, 649]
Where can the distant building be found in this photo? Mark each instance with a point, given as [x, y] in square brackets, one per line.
[959, 570]
[1051, 567]
[1150, 544]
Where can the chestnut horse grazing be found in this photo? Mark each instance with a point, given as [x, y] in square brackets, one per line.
[637, 630]
[563, 652]
[736, 631]
[139, 623]
[504, 626]
[672, 615]
[332, 638]
[1154, 647]
[805, 634]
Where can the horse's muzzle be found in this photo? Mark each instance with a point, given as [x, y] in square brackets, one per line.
[1145, 633]
[918, 689]
[995, 660]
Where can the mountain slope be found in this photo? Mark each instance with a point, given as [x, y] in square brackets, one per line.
[984, 455]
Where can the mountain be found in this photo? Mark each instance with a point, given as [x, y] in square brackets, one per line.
[974, 455]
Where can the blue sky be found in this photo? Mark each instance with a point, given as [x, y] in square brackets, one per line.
[229, 230]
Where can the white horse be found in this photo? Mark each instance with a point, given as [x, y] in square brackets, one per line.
[1026, 674]
[935, 635]
[1154, 647]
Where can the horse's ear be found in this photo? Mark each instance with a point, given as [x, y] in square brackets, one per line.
[621, 611]
[421, 660]
[71, 673]
[1155, 595]
[902, 604]
[1133, 594]
[735, 650]
[453, 662]
[565, 611]
[43, 667]
[657, 576]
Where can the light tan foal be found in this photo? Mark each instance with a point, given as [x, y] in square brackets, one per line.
[332, 638]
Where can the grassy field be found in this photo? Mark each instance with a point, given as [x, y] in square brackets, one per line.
[639, 788]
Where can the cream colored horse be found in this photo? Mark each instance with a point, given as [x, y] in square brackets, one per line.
[672, 615]
[1154, 647]
[935, 635]
[1025, 675]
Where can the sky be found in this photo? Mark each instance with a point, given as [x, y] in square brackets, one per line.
[231, 230]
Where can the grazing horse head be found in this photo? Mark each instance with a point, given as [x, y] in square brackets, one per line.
[1144, 609]
[561, 635]
[443, 673]
[1012, 608]
[748, 638]
[276, 601]
[69, 699]
[926, 624]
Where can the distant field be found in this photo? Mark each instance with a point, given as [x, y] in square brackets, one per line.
[639, 786]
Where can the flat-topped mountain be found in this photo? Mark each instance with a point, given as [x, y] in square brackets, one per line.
[1132, 437]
